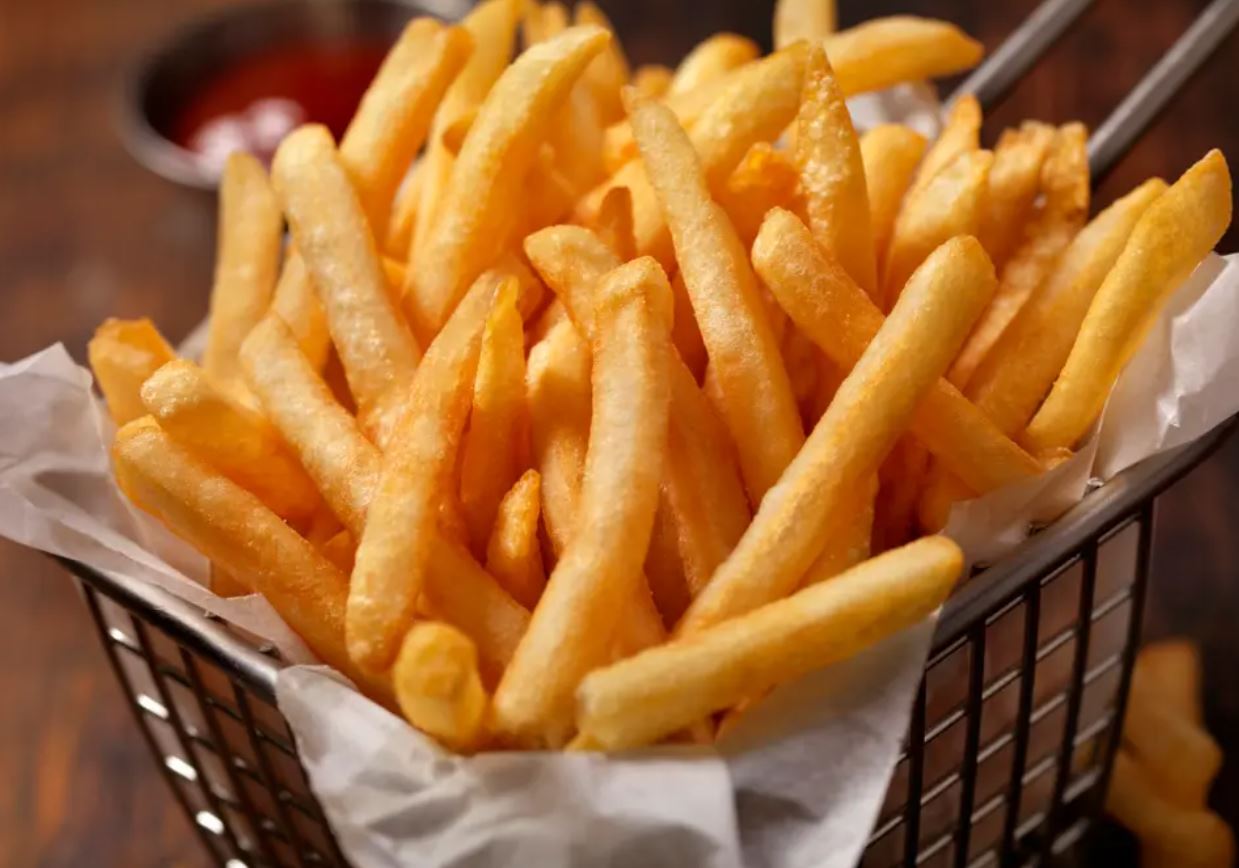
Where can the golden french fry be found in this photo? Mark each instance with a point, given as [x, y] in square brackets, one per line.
[1176, 754]
[850, 541]
[664, 568]
[1168, 835]
[378, 353]
[902, 476]
[649, 230]
[491, 447]
[393, 552]
[543, 20]
[123, 353]
[346, 468]
[492, 27]
[297, 304]
[1065, 190]
[659, 691]
[399, 234]
[1171, 238]
[832, 174]
[711, 60]
[454, 134]
[608, 73]
[1168, 673]
[438, 686]
[873, 406]
[396, 112]
[512, 554]
[576, 140]
[960, 134]
[247, 257]
[237, 441]
[766, 178]
[703, 497]
[1018, 158]
[340, 550]
[614, 223]
[471, 227]
[838, 316]
[652, 80]
[947, 207]
[890, 154]
[233, 528]
[757, 401]
[810, 20]
[224, 584]
[884, 52]
[597, 572]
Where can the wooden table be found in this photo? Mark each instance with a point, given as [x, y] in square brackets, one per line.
[86, 233]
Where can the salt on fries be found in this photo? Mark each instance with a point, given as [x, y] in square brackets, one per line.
[602, 515]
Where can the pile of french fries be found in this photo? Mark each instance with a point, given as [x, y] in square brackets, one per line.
[584, 405]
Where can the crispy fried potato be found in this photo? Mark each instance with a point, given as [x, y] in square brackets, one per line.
[1065, 191]
[850, 541]
[873, 406]
[652, 80]
[655, 693]
[296, 303]
[247, 258]
[1178, 755]
[961, 134]
[233, 528]
[332, 236]
[1171, 238]
[475, 221]
[756, 396]
[492, 447]
[1018, 158]
[890, 154]
[393, 552]
[810, 20]
[123, 353]
[884, 52]
[614, 223]
[711, 60]
[512, 554]
[570, 631]
[841, 320]
[1169, 672]
[832, 174]
[608, 74]
[396, 111]
[947, 207]
[237, 441]
[766, 178]
[438, 686]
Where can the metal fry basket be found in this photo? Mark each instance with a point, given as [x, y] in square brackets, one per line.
[1013, 729]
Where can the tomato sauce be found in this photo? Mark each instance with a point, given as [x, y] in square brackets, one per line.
[252, 104]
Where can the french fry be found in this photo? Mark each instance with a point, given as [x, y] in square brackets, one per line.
[247, 257]
[810, 20]
[492, 448]
[649, 229]
[237, 441]
[297, 304]
[340, 550]
[512, 554]
[947, 207]
[396, 111]
[233, 528]
[608, 74]
[492, 27]
[576, 137]
[842, 321]
[1171, 238]
[960, 135]
[346, 467]
[890, 154]
[884, 52]
[757, 401]
[1018, 158]
[1168, 673]
[543, 20]
[766, 178]
[470, 229]
[873, 406]
[652, 80]
[123, 353]
[1176, 754]
[378, 353]
[614, 223]
[832, 174]
[393, 552]
[659, 691]
[438, 686]
[850, 541]
[710, 61]
[594, 577]
[1065, 189]
[399, 234]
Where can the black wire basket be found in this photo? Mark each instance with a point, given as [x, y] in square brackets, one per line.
[1013, 729]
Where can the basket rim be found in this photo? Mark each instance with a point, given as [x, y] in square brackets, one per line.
[1044, 552]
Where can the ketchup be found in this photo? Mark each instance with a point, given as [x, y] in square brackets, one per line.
[252, 104]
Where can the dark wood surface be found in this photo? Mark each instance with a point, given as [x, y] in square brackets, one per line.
[86, 233]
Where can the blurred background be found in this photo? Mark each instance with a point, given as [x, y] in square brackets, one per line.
[86, 233]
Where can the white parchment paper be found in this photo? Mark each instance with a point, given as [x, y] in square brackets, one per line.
[798, 782]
